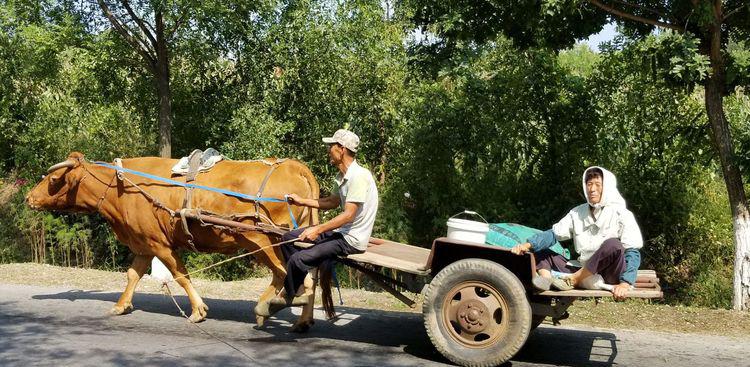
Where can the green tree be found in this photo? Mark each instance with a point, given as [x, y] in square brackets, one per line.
[149, 27]
[698, 53]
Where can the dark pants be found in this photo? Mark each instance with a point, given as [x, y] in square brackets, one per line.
[299, 261]
[608, 261]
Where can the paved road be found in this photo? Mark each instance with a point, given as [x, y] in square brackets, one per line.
[52, 326]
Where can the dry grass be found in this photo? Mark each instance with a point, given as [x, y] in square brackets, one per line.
[632, 315]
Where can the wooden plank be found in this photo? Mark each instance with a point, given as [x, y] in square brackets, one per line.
[635, 293]
[390, 262]
[402, 251]
[646, 286]
[389, 254]
[646, 280]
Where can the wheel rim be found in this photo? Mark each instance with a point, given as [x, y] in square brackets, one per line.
[475, 314]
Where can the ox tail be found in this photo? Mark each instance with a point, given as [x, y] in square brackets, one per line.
[325, 280]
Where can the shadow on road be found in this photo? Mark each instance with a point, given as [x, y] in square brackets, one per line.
[567, 347]
[404, 330]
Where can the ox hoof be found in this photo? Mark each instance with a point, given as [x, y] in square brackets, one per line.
[260, 320]
[121, 310]
[302, 327]
[199, 314]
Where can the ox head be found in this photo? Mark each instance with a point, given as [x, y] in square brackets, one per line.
[58, 189]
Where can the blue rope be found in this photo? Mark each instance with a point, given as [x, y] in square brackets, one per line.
[201, 187]
[291, 215]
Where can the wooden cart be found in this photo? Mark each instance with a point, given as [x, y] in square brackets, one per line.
[479, 303]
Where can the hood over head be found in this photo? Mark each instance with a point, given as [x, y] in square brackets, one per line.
[610, 195]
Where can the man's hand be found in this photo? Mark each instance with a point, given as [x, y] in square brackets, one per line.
[521, 249]
[620, 291]
[310, 233]
[294, 199]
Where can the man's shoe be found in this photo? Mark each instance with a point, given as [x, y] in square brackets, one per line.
[296, 301]
[562, 284]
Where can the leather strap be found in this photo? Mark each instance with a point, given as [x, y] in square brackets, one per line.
[263, 186]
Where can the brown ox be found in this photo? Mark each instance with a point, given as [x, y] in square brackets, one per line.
[80, 186]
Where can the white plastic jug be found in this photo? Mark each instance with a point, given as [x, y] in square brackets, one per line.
[468, 230]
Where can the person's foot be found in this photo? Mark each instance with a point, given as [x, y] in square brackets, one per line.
[563, 284]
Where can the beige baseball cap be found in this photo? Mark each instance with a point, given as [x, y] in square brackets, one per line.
[346, 138]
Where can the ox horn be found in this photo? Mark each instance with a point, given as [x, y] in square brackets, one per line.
[66, 164]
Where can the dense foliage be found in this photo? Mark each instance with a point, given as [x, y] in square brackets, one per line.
[496, 128]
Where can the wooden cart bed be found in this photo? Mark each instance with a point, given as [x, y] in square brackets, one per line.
[413, 260]
[395, 255]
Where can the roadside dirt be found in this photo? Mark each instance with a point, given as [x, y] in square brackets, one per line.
[629, 315]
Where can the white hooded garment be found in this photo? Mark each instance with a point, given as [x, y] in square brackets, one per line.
[611, 219]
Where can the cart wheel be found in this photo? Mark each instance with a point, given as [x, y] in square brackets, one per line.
[476, 313]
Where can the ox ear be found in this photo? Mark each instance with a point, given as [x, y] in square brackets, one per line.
[76, 156]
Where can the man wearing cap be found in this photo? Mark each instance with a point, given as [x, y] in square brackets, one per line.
[348, 233]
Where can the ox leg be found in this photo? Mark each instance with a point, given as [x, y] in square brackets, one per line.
[179, 272]
[125, 304]
[272, 258]
[306, 319]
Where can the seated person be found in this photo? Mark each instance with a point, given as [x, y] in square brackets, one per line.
[348, 233]
[604, 233]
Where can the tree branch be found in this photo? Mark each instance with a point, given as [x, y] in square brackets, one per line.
[732, 12]
[636, 18]
[638, 6]
[176, 25]
[138, 44]
[138, 21]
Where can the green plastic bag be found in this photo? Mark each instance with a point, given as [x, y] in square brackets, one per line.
[511, 234]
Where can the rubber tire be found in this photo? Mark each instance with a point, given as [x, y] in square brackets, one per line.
[511, 289]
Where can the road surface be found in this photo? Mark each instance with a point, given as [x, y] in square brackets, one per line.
[53, 326]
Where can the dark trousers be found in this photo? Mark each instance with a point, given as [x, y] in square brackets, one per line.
[299, 261]
[608, 261]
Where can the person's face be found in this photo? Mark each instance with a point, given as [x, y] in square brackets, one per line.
[335, 153]
[594, 190]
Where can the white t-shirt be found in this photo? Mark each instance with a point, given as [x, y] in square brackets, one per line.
[358, 186]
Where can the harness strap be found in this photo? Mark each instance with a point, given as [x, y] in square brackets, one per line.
[118, 163]
[183, 220]
[121, 170]
[263, 186]
[194, 162]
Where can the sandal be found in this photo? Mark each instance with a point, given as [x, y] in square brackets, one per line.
[541, 283]
[563, 284]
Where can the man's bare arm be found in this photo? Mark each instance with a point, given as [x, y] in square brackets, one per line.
[324, 203]
[350, 211]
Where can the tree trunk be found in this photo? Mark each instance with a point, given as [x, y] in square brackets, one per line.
[163, 90]
[723, 141]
